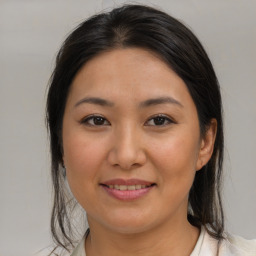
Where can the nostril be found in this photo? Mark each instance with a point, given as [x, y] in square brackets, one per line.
[126, 153]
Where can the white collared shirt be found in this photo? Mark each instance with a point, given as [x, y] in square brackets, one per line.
[207, 246]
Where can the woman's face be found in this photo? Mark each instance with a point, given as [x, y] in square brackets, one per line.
[131, 141]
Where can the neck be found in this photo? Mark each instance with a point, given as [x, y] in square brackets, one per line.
[172, 238]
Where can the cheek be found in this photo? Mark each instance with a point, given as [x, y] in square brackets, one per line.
[82, 151]
[82, 158]
[176, 153]
[175, 159]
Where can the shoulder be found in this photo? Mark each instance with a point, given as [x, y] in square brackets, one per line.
[231, 245]
[236, 245]
[80, 249]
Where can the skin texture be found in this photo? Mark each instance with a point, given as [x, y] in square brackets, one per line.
[127, 144]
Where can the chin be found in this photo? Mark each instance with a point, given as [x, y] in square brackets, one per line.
[129, 229]
[129, 224]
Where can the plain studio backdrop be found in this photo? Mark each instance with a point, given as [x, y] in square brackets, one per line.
[30, 35]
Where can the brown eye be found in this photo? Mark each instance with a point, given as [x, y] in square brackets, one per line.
[95, 121]
[159, 120]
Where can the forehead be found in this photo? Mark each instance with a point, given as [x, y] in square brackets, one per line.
[132, 74]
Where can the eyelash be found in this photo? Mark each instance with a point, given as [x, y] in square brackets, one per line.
[94, 118]
[163, 117]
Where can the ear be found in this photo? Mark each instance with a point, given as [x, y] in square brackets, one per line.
[63, 161]
[207, 145]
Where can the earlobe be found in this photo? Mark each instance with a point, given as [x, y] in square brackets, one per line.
[63, 161]
[207, 145]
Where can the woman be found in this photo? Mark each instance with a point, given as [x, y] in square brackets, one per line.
[135, 120]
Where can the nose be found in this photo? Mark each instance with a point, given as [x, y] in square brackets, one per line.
[127, 149]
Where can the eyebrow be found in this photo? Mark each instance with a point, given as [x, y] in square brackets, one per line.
[146, 103]
[160, 100]
[96, 101]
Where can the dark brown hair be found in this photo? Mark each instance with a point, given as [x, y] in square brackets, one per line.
[156, 31]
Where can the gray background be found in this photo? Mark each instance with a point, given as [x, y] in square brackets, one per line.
[30, 34]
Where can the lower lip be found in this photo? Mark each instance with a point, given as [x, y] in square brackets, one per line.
[127, 195]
